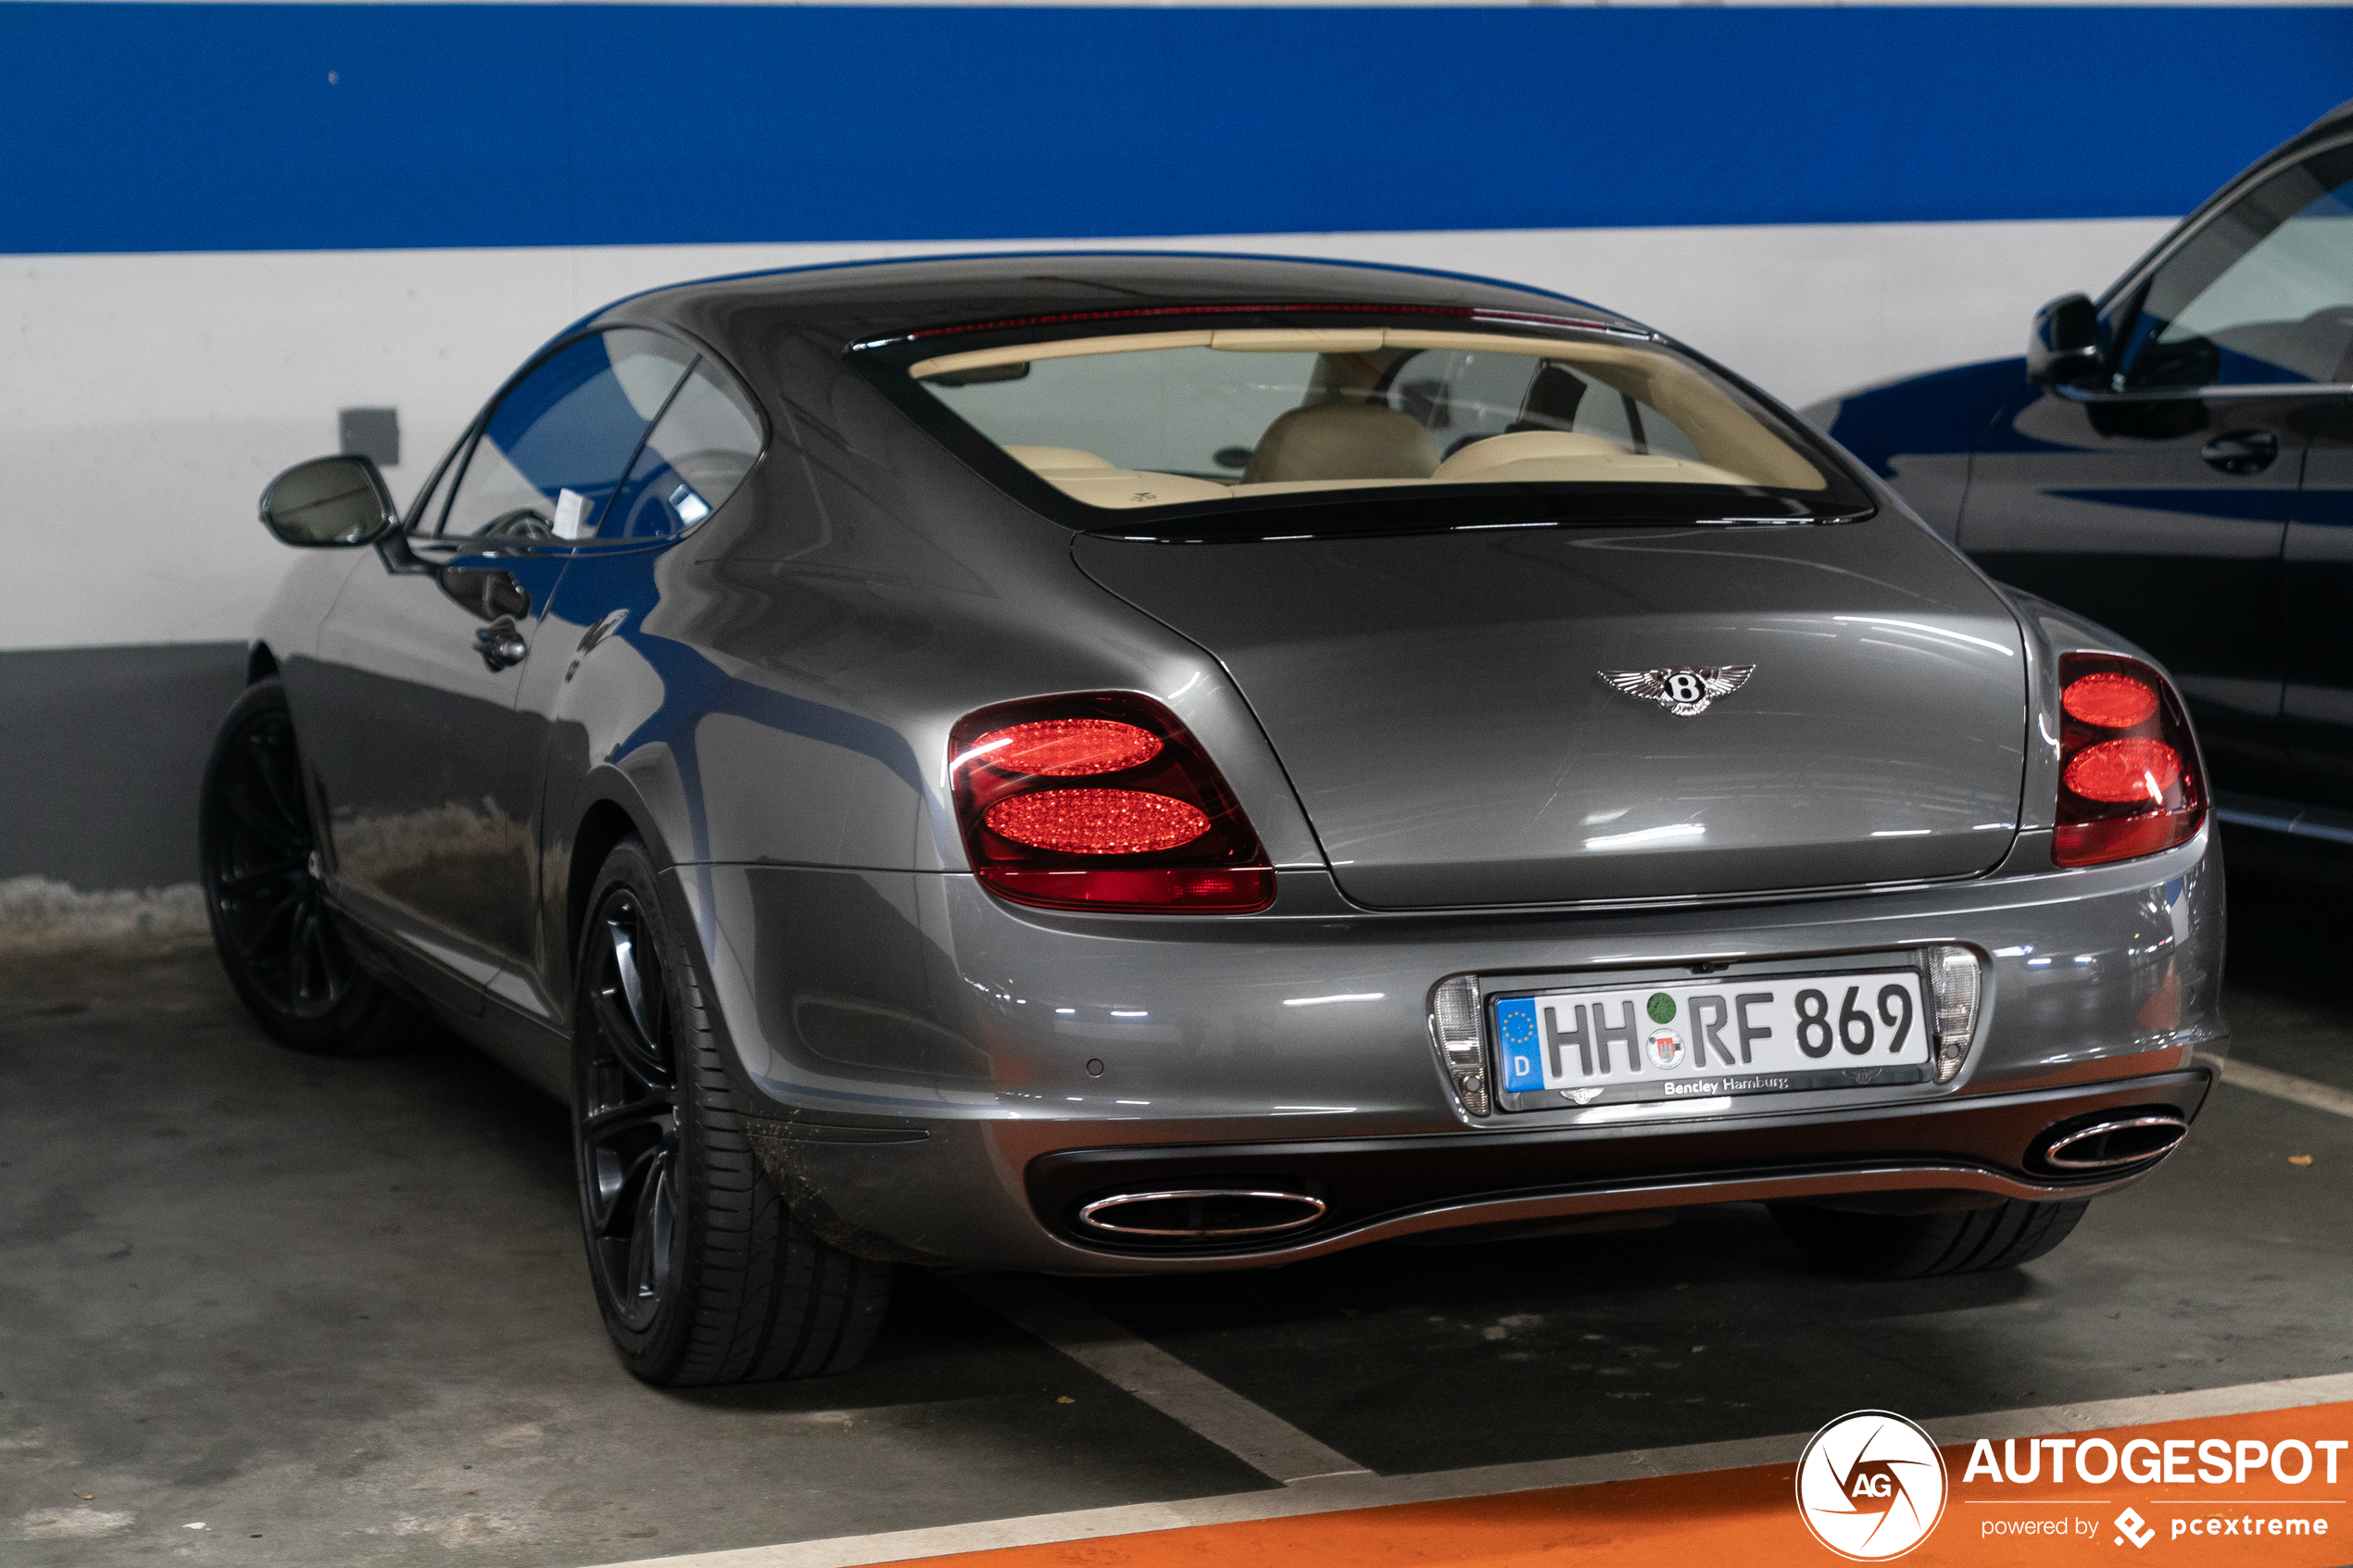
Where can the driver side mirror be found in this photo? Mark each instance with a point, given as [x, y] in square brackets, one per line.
[329, 502]
[2063, 348]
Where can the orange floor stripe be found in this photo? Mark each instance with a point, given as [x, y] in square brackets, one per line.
[1748, 1518]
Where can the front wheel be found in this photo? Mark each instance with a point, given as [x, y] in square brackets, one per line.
[702, 1272]
[257, 859]
[1924, 1246]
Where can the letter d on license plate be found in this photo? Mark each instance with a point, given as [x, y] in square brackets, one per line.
[1764, 1035]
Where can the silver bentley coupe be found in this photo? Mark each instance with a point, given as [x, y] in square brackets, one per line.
[1114, 763]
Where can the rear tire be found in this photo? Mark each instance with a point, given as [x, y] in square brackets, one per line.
[1924, 1246]
[257, 859]
[702, 1272]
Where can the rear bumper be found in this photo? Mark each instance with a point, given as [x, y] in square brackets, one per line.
[944, 1077]
[1379, 1189]
[959, 1194]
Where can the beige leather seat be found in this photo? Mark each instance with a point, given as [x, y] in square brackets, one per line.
[1523, 446]
[1342, 441]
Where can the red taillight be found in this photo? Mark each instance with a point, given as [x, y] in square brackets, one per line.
[1098, 821]
[2128, 783]
[1152, 827]
[2124, 772]
[2109, 700]
[1067, 747]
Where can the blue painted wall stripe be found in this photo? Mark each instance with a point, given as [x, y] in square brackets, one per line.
[172, 127]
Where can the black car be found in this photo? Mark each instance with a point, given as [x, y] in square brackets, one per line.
[2175, 461]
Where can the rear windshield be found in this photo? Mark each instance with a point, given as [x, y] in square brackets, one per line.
[1257, 418]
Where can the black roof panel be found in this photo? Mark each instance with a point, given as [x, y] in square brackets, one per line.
[859, 301]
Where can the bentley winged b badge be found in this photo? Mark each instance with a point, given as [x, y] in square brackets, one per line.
[1684, 691]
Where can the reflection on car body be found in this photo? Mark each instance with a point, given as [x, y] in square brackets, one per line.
[2175, 461]
[1100, 772]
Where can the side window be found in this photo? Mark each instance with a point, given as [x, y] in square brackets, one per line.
[553, 450]
[699, 450]
[2263, 294]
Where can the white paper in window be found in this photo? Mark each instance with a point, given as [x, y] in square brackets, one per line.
[572, 509]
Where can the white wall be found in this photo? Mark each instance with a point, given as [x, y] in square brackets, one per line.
[144, 399]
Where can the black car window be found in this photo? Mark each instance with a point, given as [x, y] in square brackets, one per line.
[699, 451]
[553, 450]
[2262, 295]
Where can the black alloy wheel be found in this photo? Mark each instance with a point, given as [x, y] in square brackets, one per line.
[703, 1272]
[265, 889]
[627, 1110]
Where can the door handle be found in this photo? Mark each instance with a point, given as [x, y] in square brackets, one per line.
[2242, 451]
[500, 643]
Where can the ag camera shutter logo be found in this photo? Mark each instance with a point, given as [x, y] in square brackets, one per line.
[1871, 1486]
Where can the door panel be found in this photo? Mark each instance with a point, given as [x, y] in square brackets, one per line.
[428, 782]
[2319, 705]
[2113, 507]
[428, 765]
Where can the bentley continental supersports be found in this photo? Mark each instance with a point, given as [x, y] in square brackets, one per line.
[1115, 763]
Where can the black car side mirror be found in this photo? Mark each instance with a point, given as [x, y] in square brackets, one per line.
[329, 502]
[2063, 348]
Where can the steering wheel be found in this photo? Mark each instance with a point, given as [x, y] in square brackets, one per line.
[523, 523]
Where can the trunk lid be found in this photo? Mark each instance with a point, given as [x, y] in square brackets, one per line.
[1439, 703]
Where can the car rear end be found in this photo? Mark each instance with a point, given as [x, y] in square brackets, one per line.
[1612, 803]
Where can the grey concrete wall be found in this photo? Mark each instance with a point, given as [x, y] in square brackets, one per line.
[105, 750]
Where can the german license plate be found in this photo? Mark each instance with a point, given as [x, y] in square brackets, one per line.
[1712, 1037]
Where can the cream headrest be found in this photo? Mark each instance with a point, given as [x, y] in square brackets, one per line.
[1521, 446]
[1342, 441]
[1038, 459]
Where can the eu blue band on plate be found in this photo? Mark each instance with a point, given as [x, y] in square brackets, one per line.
[1517, 1034]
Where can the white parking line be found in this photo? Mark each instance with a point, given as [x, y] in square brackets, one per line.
[1365, 1490]
[2281, 1086]
[1252, 1433]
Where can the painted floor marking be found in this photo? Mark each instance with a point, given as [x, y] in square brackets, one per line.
[1361, 1490]
[1743, 1515]
[1256, 1436]
[2283, 1086]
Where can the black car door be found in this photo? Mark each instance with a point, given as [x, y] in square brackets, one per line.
[2315, 256]
[2157, 502]
[429, 773]
[2319, 701]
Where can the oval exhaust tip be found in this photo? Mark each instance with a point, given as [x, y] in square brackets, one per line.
[2117, 1140]
[1200, 1213]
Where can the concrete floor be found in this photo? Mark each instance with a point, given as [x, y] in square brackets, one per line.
[337, 1313]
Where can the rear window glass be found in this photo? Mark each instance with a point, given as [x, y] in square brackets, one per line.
[1229, 417]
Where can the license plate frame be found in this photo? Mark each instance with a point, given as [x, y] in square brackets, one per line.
[1785, 1070]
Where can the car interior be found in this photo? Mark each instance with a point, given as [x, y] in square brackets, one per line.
[1165, 419]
